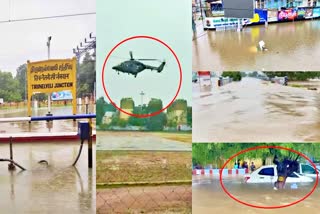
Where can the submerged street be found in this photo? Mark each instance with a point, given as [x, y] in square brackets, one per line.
[253, 110]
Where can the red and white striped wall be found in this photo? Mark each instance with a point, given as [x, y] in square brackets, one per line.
[217, 171]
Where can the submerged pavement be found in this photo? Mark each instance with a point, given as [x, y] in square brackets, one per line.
[253, 110]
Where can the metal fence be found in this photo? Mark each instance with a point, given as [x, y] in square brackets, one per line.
[143, 182]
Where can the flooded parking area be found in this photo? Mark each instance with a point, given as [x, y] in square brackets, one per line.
[52, 187]
[209, 197]
[290, 46]
[253, 110]
[126, 140]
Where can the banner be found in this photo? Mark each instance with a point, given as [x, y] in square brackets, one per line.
[316, 12]
[51, 76]
[260, 16]
[272, 15]
[62, 95]
[309, 13]
[301, 13]
[285, 15]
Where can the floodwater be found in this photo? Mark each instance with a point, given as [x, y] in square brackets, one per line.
[54, 188]
[253, 110]
[115, 140]
[291, 46]
[42, 126]
[209, 197]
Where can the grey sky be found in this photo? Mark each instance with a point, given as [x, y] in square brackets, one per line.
[26, 40]
[167, 20]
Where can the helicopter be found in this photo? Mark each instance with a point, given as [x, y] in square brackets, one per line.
[134, 66]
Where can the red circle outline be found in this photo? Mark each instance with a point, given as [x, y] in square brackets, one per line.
[268, 207]
[153, 113]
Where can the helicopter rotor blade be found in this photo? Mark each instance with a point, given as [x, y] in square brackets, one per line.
[149, 60]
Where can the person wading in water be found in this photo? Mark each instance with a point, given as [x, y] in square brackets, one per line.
[284, 168]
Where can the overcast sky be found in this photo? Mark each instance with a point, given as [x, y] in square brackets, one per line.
[167, 20]
[26, 40]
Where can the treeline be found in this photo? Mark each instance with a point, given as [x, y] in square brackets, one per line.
[235, 75]
[14, 89]
[154, 123]
[208, 153]
[294, 76]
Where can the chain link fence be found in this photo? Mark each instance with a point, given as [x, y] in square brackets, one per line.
[143, 182]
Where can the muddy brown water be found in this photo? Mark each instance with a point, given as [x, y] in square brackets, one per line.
[255, 111]
[291, 46]
[54, 188]
[41, 126]
[209, 197]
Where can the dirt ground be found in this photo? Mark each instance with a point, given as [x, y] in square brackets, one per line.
[142, 166]
[159, 199]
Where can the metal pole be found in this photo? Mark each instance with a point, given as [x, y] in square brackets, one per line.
[11, 166]
[49, 95]
[90, 159]
[142, 93]
[87, 103]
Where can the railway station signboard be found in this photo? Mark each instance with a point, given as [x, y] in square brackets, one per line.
[50, 76]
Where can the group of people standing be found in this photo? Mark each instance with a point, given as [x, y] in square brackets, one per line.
[244, 165]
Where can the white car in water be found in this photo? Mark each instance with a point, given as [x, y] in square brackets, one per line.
[268, 174]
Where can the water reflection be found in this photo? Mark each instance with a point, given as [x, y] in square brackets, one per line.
[290, 46]
[254, 110]
[209, 197]
[56, 187]
[42, 126]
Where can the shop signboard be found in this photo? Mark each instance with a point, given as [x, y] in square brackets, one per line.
[309, 13]
[272, 15]
[301, 12]
[287, 15]
[260, 16]
[316, 12]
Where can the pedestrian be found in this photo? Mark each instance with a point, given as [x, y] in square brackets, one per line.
[252, 167]
[236, 165]
[245, 165]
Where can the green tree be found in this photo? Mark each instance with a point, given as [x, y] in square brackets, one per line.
[206, 153]
[86, 76]
[157, 122]
[100, 110]
[21, 77]
[189, 115]
[235, 75]
[8, 87]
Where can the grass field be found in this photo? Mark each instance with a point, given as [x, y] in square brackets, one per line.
[116, 167]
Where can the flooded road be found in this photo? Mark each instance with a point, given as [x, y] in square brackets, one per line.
[290, 47]
[255, 111]
[41, 126]
[54, 188]
[126, 140]
[209, 197]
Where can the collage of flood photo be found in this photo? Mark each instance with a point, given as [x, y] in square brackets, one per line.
[256, 106]
[159, 107]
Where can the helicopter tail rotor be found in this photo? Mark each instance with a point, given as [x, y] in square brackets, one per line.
[160, 68]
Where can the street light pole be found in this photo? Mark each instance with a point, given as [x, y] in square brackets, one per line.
[49, 95]
[142, 94]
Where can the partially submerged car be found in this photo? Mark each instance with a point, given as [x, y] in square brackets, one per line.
[268, 174]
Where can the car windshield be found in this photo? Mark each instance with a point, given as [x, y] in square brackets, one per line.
[293, 175]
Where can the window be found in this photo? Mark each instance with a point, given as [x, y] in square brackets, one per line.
[267, 171]
[307, 169]
[293, 175]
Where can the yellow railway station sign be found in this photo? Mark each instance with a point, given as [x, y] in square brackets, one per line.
[50, 76]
